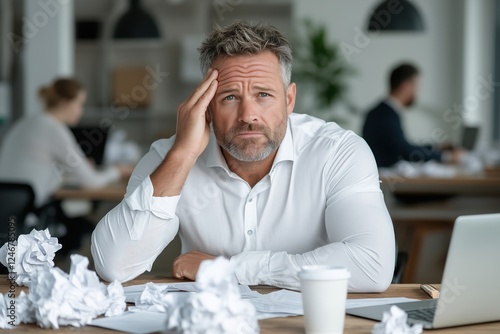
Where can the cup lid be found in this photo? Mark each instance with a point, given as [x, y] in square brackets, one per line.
[324, 272]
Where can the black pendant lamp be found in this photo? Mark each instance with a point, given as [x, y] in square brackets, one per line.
[396, 15]
[136, 23]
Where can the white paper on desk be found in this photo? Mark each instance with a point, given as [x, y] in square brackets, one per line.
[429, 169]
[285, 303]
[134, 291]
[353, 303]
[281, 303]
[142, 322]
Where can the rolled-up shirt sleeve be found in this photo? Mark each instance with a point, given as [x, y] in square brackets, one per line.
[130, 237]
[358, 227]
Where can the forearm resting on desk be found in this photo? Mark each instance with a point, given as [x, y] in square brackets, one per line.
[281, 269]
[361, 240]
[128, 239]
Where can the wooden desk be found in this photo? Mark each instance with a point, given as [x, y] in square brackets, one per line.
[279, 325]
[114, 193]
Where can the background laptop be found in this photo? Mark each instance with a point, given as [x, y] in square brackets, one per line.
[470, 292]
[92, 140]
[469, 137]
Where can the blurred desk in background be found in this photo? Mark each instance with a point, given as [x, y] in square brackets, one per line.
[460, 185]
[423, 211]
[113, 193]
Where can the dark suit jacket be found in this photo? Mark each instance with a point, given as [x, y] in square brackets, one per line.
[383, 133]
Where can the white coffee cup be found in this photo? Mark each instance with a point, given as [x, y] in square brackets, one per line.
[324, 294]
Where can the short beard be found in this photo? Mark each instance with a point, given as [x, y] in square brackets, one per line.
[410, 102]
[248, 150]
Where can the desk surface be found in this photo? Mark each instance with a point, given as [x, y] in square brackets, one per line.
[113, 192]
[280, 325]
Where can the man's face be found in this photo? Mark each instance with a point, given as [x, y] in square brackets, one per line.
[74, 108]
[250, 108]
[412, 90]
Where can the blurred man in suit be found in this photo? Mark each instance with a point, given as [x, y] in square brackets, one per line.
[383, 131]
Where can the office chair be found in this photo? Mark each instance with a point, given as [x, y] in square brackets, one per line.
[401, 259]
[16, 201]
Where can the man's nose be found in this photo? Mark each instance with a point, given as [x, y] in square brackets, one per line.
[247, 111]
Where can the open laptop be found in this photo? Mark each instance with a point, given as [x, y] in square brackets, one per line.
[469, 137]
[470, 292]
[92, 140]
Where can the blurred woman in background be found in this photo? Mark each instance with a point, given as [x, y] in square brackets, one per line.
[41, 150]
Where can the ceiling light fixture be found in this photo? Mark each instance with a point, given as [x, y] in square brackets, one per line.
[395, 15]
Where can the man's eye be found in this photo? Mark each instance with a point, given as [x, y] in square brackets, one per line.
[263, 95]
[229, 98]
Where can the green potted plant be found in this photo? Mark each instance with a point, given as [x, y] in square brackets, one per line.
[320, 66]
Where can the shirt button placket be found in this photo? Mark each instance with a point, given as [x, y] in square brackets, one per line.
[250, 224]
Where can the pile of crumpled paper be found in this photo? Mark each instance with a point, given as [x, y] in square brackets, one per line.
[33, 252]
[55, 298]
[216, 308]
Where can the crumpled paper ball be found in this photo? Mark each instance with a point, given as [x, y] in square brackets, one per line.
[7, 318]
[58, 299]
[394, 322]
[217, 308]
[33, 253]
[24, 310]
[154, 298]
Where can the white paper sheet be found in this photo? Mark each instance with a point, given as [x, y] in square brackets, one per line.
[134, 291]
[353, 303]
[133, 322]
[281, 303]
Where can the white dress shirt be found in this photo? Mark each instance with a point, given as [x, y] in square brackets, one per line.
[41, 151]
[320, 204]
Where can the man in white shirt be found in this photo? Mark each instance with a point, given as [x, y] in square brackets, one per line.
[247, 179]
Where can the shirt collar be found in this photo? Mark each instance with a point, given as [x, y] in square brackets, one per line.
[214, 157]
[285, 151]
[214, 154]
[394, 104]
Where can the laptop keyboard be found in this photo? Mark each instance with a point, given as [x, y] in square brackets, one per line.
[422, 314]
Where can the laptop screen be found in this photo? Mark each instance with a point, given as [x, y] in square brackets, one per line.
[92, 140]
[469, 137]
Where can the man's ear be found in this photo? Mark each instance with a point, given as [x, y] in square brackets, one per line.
[291, 93]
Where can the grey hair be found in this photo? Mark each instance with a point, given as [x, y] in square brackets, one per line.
[243, 38]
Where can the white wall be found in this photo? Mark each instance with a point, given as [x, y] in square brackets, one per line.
[48, 46]
[6, 26]
[437, 52]
[479, 48]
